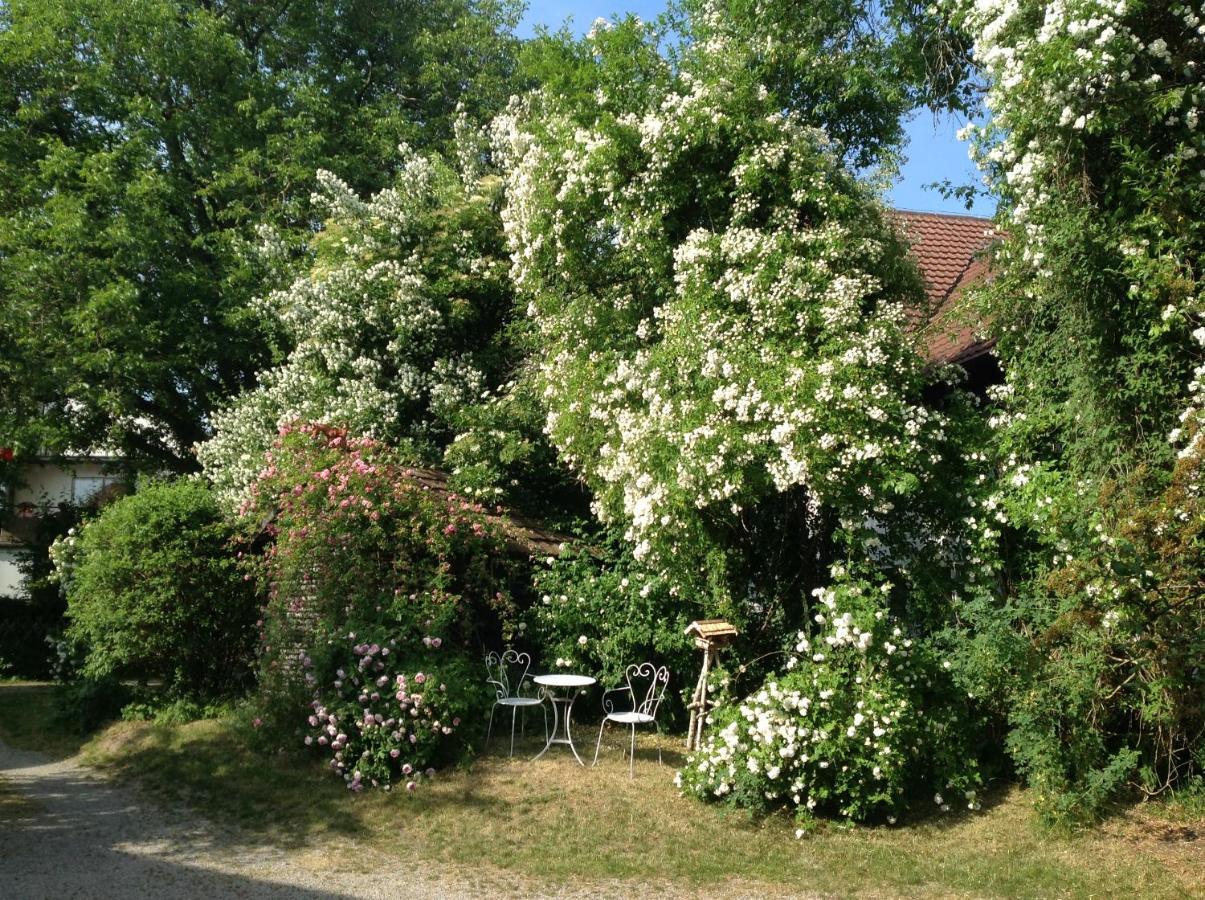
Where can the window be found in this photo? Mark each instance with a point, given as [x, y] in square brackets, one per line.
[86, 487]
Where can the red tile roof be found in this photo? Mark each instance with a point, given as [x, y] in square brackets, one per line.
[950, 252]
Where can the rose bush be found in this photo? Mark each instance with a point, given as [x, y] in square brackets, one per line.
[395, 325]
[383, 721]
[1095, 150]
[363, 555]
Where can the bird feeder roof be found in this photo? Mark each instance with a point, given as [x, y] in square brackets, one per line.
[712, 629]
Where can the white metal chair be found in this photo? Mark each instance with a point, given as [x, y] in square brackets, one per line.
[645, 686]
[502, 671]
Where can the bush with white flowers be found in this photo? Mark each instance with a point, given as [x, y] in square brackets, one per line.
[864, 722]
[1094, 147]
[720, 310]
[392, 328]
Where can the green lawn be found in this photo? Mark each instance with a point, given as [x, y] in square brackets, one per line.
[554, 821]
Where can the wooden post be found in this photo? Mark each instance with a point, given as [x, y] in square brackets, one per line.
[698, 705]
[710, 635]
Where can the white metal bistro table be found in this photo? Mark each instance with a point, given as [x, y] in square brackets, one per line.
[571, 684]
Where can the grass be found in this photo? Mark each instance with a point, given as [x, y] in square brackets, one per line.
[30, 721]
[549, 822]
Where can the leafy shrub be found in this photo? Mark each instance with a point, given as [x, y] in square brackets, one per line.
[865, 723]
[173, 711]
[1094, 663]
[156, 593]
[599, 611]
[29, 623]
[363, 551]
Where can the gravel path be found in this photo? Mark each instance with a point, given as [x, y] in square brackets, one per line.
[69, 833]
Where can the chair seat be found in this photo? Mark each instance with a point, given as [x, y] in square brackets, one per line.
[630, 718]
[519, 701]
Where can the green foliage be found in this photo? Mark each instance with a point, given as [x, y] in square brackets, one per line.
[1095, 661]
[143, 142]
[366, 557]
[599, 611]
[31, 624]
[851, 68]
[864, 723]
[156, 593]
[84, 704]
[173, 711]
[1089, 648]
[500, 455]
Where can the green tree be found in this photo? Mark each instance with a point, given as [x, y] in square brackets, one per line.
[143, 142]
[850, 67]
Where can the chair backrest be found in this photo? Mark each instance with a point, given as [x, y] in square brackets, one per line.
[507, 672]
[646, 684]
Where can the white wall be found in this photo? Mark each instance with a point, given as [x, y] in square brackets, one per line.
[47, 485]
[10, 578]
[51, 484]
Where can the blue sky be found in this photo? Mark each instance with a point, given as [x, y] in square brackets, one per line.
[934, 152]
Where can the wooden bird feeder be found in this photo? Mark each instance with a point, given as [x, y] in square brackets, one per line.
[710, 635]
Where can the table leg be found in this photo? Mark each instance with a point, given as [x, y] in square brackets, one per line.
[551, 734]
[568, 717]
[557, 718]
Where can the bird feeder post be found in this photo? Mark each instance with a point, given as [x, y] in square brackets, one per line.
[710, 635]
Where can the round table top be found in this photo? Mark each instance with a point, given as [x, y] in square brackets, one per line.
[564, 681]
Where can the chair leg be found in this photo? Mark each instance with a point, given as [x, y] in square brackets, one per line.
[657, 728]
[490, 730]
[598, 744]
[632, 755]
[544, 710]
[514, 712]
[523, 722]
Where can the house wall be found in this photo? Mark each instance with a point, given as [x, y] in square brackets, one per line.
[10, 578]
[45, 485]
[48, 484]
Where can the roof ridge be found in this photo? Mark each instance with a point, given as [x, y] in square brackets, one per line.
[970, 217]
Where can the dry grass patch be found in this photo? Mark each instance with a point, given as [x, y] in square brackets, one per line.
[512, 826]
[1173, 836]
[511, 822]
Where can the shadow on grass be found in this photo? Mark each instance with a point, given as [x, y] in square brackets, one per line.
[207, 764]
